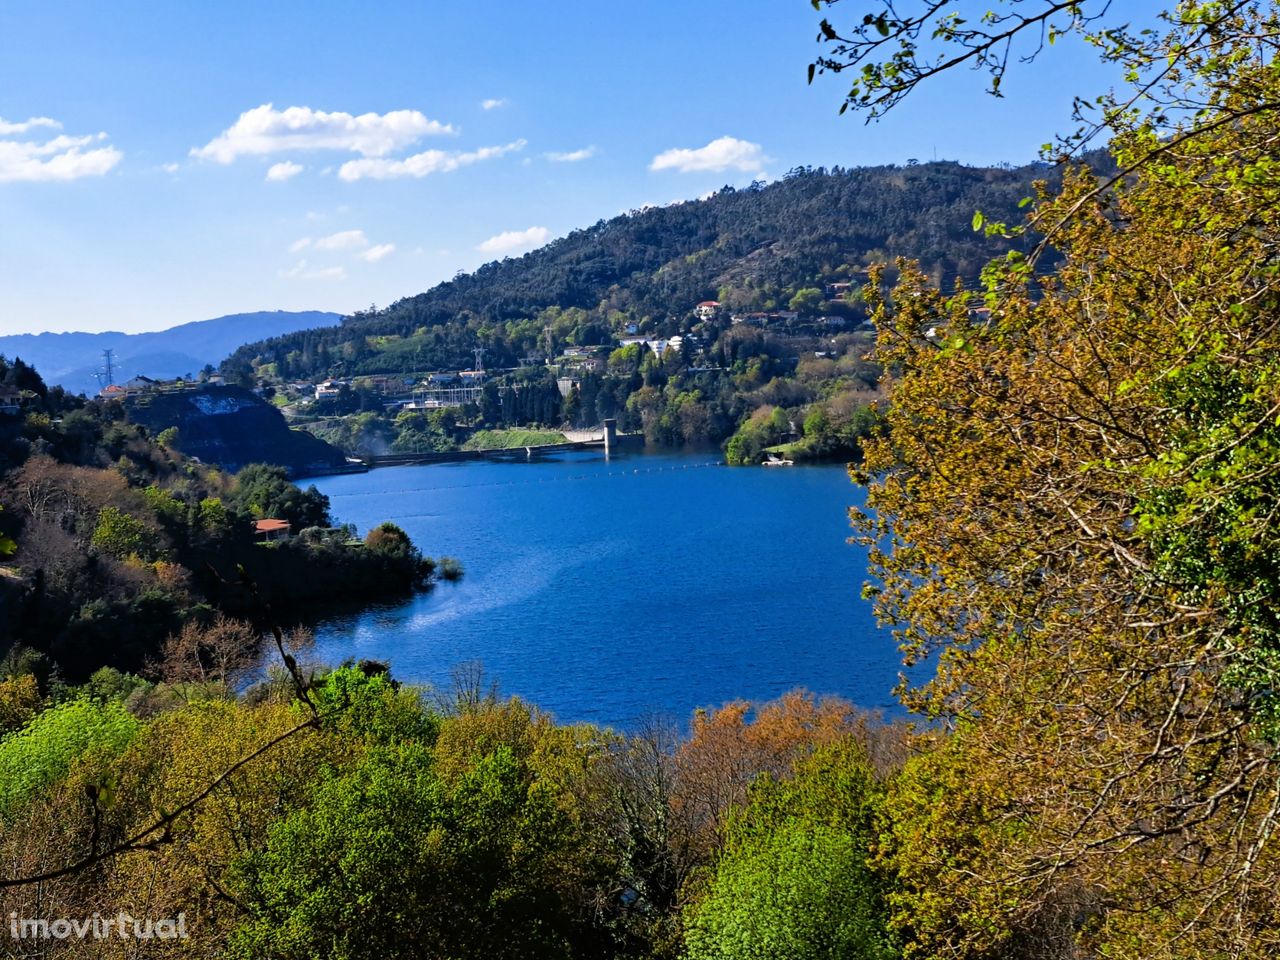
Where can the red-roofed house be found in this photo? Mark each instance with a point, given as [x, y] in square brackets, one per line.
[272, 529]
[707, 309]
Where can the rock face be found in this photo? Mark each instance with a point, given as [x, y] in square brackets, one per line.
[231, 427]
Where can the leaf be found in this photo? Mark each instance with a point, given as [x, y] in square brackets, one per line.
[978, 220]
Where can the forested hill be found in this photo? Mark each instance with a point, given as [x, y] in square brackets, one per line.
[749, 248]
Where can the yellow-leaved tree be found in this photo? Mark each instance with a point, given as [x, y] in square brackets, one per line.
[1075, 513]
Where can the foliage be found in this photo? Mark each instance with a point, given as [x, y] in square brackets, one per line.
[264, 491]
[33, 758]
[122, 543]
[19, 699]
[121, 535]
[1074, 515]
[794, 879]
[473, 858]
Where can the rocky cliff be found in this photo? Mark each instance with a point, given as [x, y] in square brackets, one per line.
[231, 427]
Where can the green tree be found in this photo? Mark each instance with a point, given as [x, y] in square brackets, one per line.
[807, 301]
[265, 491]
[121, 535]
[794, 879]
[396, 860]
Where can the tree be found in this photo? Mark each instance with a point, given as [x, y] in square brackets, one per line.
[265, 491]
[794, 879]
[224, 652]
[41, 752]
[120, 535]
[1072, 511]
[1074, 514]
[807, 301]
[471, 850]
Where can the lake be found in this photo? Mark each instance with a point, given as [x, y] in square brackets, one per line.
[605, 590]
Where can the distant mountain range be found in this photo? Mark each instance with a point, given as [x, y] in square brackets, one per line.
[73, 359]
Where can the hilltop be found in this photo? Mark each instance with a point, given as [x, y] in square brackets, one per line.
[750, 249]
[71, 360]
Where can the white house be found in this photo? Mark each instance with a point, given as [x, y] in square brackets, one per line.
[328, 390]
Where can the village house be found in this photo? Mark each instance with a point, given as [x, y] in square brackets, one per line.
[328, 389]
[581, 358]
[707, 309]
[267, 530]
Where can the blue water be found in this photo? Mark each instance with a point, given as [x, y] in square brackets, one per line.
[606, 591]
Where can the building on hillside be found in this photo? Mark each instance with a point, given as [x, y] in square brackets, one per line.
[267, 530]
[328, 390]
[140, 384]
[592, 362]
[707, 309]
[113, 391]
[471, 376]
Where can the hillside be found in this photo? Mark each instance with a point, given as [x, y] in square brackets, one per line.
[751, 249]
[71, 360]
[230, 427]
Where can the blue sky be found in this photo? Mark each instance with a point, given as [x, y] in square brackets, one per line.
[189, 160]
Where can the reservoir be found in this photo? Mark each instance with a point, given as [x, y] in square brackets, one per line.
[607, 590]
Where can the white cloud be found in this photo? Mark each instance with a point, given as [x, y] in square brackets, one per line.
[493, 103]
[62, 158]
[300, 244]
[726, 153]
[170, 167]
[422, 164]
[279, 172]
[374, 254]
[572, 156]
[265, 130]
[343, 240]
[303, 271]
[10, 127]
[513, 241]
